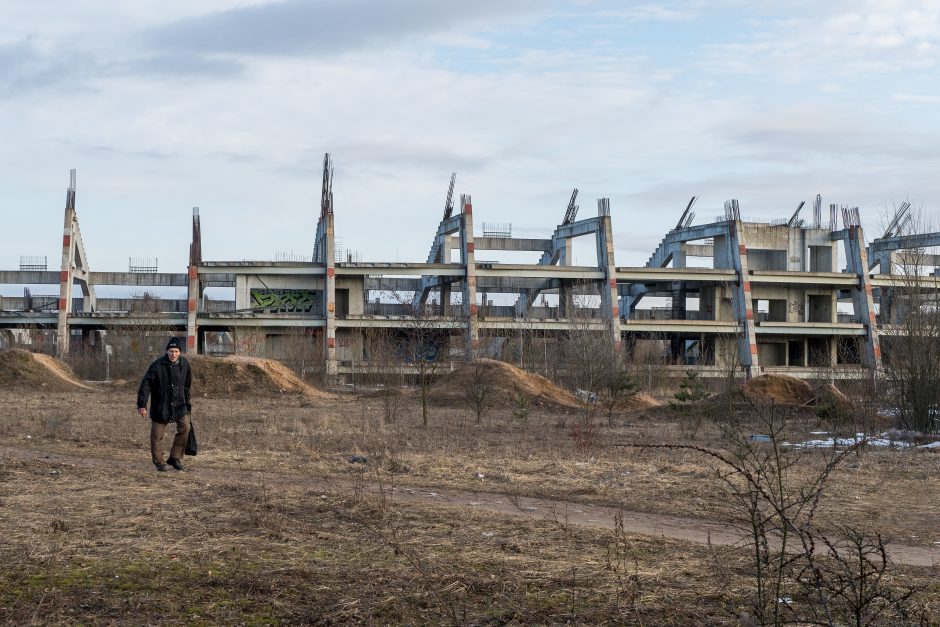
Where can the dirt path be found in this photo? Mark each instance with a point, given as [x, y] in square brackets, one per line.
[57, 369]
[561, 512]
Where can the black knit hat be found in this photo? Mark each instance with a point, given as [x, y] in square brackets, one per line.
[174, 342]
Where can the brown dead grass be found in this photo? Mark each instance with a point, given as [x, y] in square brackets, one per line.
[259, 544]
[234, 376]
[781, 389]
[508, 384]
[639, 401]
[25, 370]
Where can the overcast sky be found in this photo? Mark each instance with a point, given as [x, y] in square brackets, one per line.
[229, 105]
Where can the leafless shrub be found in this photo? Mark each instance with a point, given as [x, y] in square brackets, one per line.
[478, 393]
[777, 511]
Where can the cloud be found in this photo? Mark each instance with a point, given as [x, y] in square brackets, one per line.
[25, 67]
[651, 13]
[916, 98]
[842, 38]
[303, 27]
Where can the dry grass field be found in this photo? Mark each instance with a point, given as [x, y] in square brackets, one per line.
[307, 507]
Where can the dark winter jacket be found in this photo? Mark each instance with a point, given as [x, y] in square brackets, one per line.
[169, 399]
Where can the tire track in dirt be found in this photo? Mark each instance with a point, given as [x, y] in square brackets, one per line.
[561, 512]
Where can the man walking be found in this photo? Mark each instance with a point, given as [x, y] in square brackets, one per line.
[167, 383]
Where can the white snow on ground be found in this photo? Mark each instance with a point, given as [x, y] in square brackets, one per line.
[877, 440]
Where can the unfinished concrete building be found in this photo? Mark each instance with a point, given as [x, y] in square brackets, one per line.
[795, 295]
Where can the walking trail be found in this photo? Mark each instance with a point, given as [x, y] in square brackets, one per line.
[562, 512]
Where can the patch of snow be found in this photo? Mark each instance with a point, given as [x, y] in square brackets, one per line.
[879, 440]
[931, 445]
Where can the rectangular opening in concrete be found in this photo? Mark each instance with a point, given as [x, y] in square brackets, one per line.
[819, 308]
[796, 356]
[819, 352]
[777, 310]
[820, 258]
[763, 259]
[848, 351]
[760, 309]
[772, 353]
[342, 303]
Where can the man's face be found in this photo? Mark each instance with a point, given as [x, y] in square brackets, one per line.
[173, 353]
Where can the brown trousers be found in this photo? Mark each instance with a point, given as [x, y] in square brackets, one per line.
[157, 431]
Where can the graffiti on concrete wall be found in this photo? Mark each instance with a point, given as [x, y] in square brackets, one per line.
[280, 301]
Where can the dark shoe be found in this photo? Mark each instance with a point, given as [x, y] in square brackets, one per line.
[160, 467]
[172, 461]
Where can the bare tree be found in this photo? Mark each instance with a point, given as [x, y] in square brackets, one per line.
[425, 341]
[384, 369]
[912, 355]
[776, 490]
[479, 387]
[302, 350]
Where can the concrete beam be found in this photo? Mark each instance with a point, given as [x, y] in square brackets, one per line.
[839, 279]
[150, 279]
[397, 284]
[700, 250]
[905, 242]
[264, 321]
[809, 328]
[513, 243]
[654, 275]
[399, 322]
[400, 269]
[28, 277]
[259, 268]
[707, 327]
[897, 280]
[587, 273]
[576, 229]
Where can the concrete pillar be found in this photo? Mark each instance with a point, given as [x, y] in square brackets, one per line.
[194, 288]
[193, 298]
[565, 258]
[67, 270]
[329, 294]
[565, 303]
[605, 258]
[445, 296]
[857, 262]
[744, 310]
[468, 259]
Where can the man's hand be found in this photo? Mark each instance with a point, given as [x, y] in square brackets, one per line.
[142, 411]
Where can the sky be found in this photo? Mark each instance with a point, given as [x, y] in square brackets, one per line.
[165, 105]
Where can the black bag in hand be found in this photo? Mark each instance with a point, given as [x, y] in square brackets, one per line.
[191, 447]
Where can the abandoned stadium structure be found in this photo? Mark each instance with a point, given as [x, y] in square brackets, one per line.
[772, 298]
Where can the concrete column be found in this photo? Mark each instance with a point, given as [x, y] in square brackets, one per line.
[67, 269]
[565, 303]
[744, 310]
[194, 288]
[857, 261]
[329, 294]
[193, 297]
[468, 259]
[445, 296]
[605, 258]
[565, 257]
[447, 244]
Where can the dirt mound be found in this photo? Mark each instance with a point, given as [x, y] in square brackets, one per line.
[779, 388]
[506, 385]
[831, 397]
[235, 375]
[23, 369]
[832, 394]
[640, 400]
